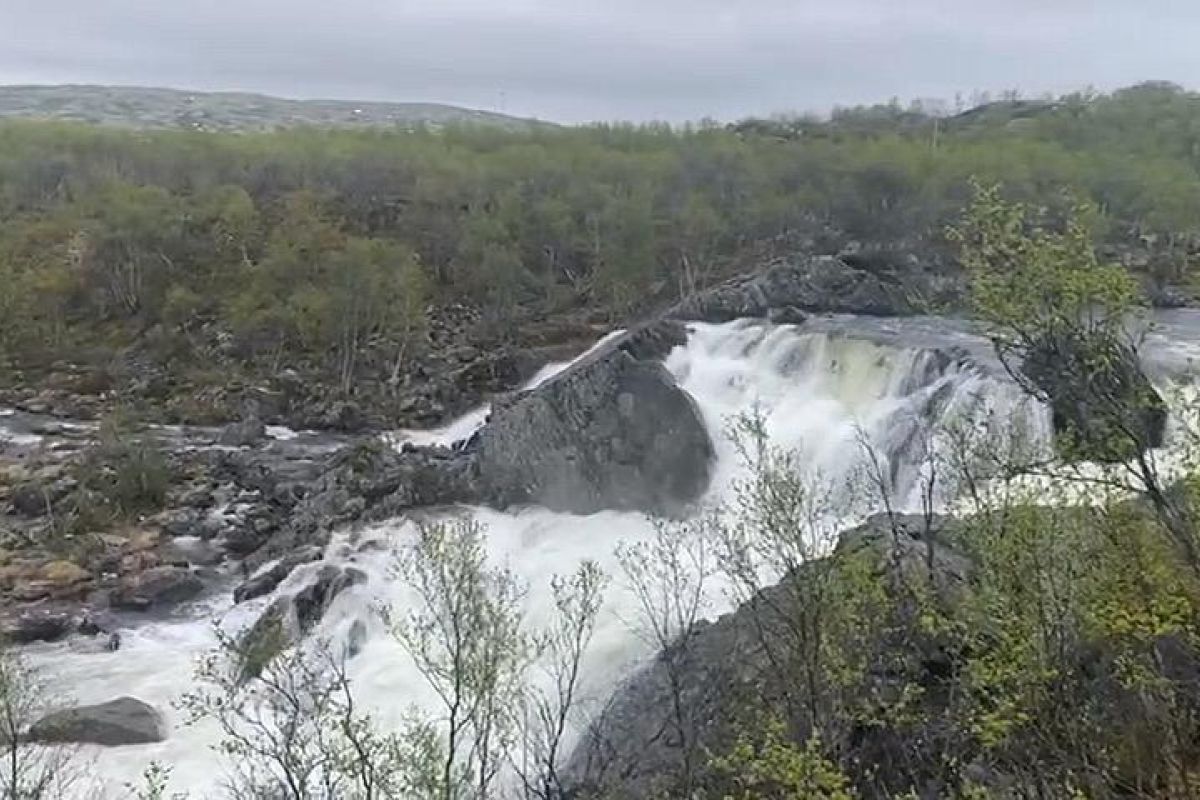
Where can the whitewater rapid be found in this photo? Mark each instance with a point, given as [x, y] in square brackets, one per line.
[820, 390]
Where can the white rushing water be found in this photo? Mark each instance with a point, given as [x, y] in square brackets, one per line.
[818, 393]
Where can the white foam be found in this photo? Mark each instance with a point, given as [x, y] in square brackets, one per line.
[20, 439]
[281, 433]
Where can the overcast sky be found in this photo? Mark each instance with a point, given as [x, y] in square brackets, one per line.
[581, 60]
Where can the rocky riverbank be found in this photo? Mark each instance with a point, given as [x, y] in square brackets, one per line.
[459, 360]
[98, 523]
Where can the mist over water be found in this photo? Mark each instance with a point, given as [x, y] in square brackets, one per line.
[819, 393]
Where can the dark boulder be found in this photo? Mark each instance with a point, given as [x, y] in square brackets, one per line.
[156, 587]
[1104, 407]
[345, 417]
[271, 634]
[38, 626]
[249, 529]
[123, 721]
[611, 432]
[29, 500]
[787, 315]
[37, 498]
[90, 626]
[311, 602]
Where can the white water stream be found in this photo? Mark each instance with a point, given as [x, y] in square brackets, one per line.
[818, 393]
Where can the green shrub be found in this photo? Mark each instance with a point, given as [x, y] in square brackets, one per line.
[122, 476]
[769, 766]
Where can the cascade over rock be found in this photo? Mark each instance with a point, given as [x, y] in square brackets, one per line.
[613, 431]
[290, 617]
[267, 579]
[581, 441]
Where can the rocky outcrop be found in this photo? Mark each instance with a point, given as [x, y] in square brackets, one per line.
[265, 581]
[289, 618]
[917, 625]
[156, 587]
[612, 432]
[652, 341]
[826, 284]
[1104, 407]
[368, 479]
[123, 721]
[726, 666]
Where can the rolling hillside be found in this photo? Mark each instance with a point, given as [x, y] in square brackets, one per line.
[144, 107]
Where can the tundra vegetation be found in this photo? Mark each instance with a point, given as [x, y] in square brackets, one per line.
[225, 259]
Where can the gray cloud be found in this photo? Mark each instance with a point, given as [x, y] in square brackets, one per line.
[578, 60]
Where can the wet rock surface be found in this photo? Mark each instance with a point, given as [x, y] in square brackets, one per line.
[290, 617]
[38, 625]
[249, 431]
[265, 581]
[222, 503]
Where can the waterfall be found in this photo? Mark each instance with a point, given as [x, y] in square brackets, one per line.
[821, 393]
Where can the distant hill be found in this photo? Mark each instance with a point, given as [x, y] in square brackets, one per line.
[147, 107]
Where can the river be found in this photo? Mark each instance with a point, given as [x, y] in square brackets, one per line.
[821, 389]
